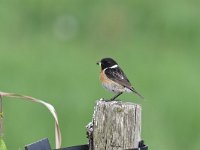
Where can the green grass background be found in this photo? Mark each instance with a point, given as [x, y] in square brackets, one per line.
[48, 50]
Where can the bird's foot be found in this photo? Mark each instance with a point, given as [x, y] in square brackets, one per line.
[106, 100]
[112, 99]
[109, 100]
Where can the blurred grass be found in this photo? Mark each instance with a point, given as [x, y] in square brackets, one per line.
[2, 144]
[49, 49]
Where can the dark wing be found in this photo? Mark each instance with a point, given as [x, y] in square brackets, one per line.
[117, 75]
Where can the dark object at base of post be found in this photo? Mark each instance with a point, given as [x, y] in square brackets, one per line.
[80, 147]
[141, 146]
[39, 145]
[44, 145]
[86, 147]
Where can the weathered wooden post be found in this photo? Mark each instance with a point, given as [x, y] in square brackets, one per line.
[115, 125]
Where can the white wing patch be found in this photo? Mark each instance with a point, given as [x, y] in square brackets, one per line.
[114, 66]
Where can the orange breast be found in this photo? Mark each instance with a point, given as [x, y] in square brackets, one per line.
[109, 84]
[103, 77]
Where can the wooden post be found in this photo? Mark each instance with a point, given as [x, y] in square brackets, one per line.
[115, 125]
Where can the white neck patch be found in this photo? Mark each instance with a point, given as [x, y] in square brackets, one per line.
[114, 66]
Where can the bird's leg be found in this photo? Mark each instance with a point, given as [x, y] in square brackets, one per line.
[118, 94]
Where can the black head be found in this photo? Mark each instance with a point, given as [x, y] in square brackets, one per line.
[107, 62]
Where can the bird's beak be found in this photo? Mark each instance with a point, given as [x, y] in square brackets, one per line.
[98, 63]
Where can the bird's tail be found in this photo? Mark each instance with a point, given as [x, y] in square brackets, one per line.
[137, 93]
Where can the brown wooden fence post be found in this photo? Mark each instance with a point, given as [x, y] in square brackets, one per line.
[115, 125]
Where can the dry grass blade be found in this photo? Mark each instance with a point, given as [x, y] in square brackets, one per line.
[58, 139]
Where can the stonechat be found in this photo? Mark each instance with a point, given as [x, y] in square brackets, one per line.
[113, 78]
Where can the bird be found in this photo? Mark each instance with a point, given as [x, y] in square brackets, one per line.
[114, 79]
